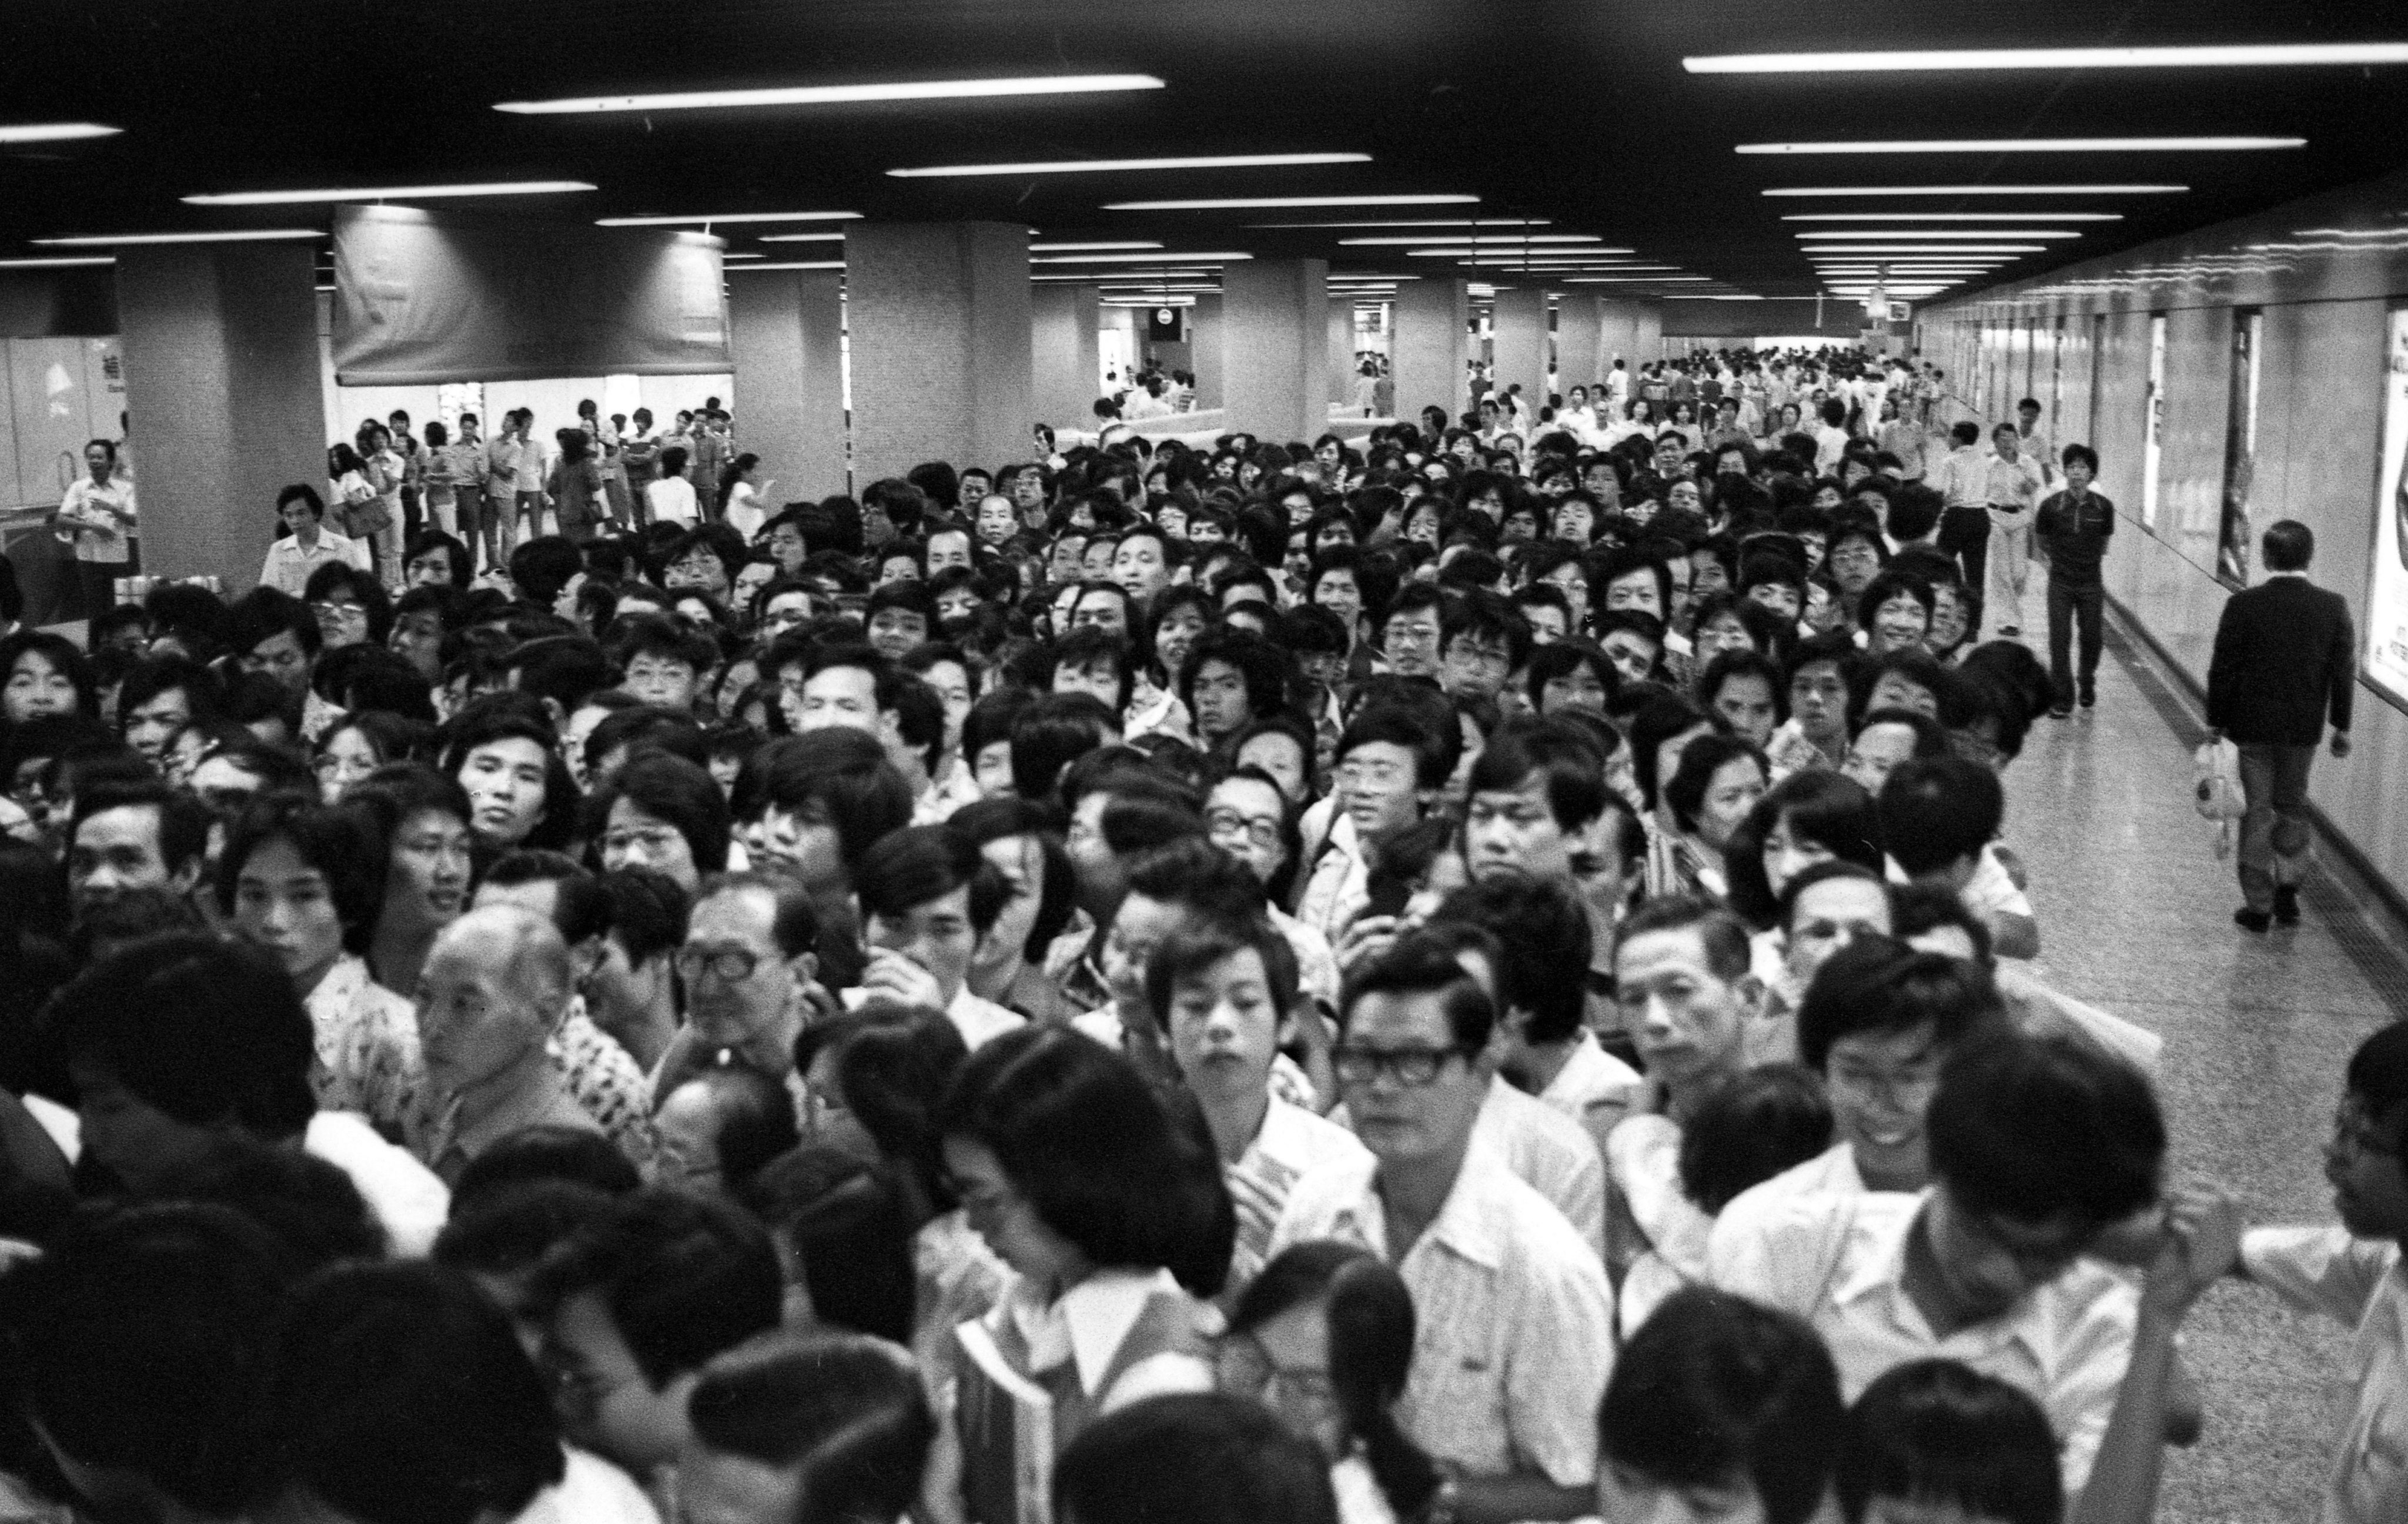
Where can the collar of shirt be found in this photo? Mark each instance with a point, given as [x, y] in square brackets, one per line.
[1590, 1073]
[1886, 1222]
[1085, 1323]
[1467, 1226]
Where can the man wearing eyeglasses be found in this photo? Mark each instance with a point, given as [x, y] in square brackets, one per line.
[1516, 1312]
[747, 963]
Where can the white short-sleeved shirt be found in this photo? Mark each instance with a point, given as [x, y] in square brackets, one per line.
[2359, 1282]
[1514, 1337]
[671, 499]
[1291, 1145]
[1550, 1152]
[1839, 1261]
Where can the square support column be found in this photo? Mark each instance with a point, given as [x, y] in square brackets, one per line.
[1341, 355]
[1579, 329]
[785, 328]
[1432, 346]
[1063, 355]
[1276, 358]
[1206, 334]
[939, 320]
[227, 398]
[1521, 343]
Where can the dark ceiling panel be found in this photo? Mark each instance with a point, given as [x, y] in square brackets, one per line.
[1577, 113]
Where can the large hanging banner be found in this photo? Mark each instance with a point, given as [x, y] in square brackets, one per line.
[421, 299]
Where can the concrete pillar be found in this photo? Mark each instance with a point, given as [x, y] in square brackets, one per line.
[1650, 335]
[1432, 343]
[1206, 331]
[228, 402]
[784, 329]
[1342, 353]
[1579, 331]
[1277, 352]
[1618, 336]
[1521, 343]
[1063, 358]
[939, 314]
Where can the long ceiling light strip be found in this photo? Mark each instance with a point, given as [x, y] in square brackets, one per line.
[1939, 232]
[1266, 203]
[730, 218]
[908, 89]
[1092, 167]
[2092, 190]
[1930, 60]
[1502, 238]
[788, 265]
[1139, 258]
[2031, 145]
[55, 132]
[1953, 217]
[1934, 248]
[239, 237]
[1089, 248]
[390, 192]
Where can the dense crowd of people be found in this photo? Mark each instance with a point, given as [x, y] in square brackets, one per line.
[1468, 973]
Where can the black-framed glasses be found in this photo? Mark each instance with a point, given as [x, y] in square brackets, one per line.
[729, 965]
[1413, 1067]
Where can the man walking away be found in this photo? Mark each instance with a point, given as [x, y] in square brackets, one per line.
[2286, 658]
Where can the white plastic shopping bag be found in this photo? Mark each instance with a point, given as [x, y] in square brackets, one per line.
[2216, 785]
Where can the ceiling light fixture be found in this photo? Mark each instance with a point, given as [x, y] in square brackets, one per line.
[1248, 202]
[2032, 145]
[55, 132]
[1507, 238]
[389, 192]
[1934, 248]
[241, 236]
[1953, 217]
[802, 238]
[1138, 259]
[57, 261]
[791, 265]
[731, 217]
[908, 90]
[1979, 190]
[1929, 60]
[1070, 248]
[1938, 233]
[1636, 279]
[1437, 222]
[1077, 166]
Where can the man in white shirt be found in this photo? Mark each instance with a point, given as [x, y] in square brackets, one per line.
[309, 546]
[1516, 1317]
[2011, 486]
[2038, 1147]
[916, 903]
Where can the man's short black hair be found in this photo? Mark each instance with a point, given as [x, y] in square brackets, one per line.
[846, 1412]
[683, 1275]
[1573, 767]
[1193, 1458]
[1713, 1387]
[2000, 1094]
[836, 775]
[672, 789]
[1938, 811]
[341, 842]
[1748, 1129]
[1544, 941]
[550, 1154]
[1424, 963]
[2289, 545]
[184, 821]
[906, 869]
[1722, 934]
[1879, 984]
[1939, 1434]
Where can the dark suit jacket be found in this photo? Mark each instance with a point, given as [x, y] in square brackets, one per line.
[2286, 656]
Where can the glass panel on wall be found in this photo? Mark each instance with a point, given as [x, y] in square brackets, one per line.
[2055, 379]
[2153, 422]
[2233, 535]
[2386, 592]
[2097, 358]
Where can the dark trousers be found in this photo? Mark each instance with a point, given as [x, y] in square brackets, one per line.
[2274, 836]
[1965, 538]
[98, 580]
[2068, 605]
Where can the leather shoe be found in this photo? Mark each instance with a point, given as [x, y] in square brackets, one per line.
[2286, 905]
[2252, 921]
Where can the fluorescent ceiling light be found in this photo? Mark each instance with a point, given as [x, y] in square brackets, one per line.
[1139, 258]
[1730, 296]
[55, 132]
[1438, 223]
[1479, 238]
[1067, 249]
[1247, 203]
[1935, 249]
[791, 265]
[59, 261]
[1953, 217]
[1636, 279]
[1077, 166]
[388, 192]
[732, 217]
[1939, 232]
[743, 256]
[908, 89]
[1979, 190]
[244, 236]
[1923, 59]
[802, 238]
[2033, 145]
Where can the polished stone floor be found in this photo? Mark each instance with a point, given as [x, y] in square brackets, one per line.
[2135, 912]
